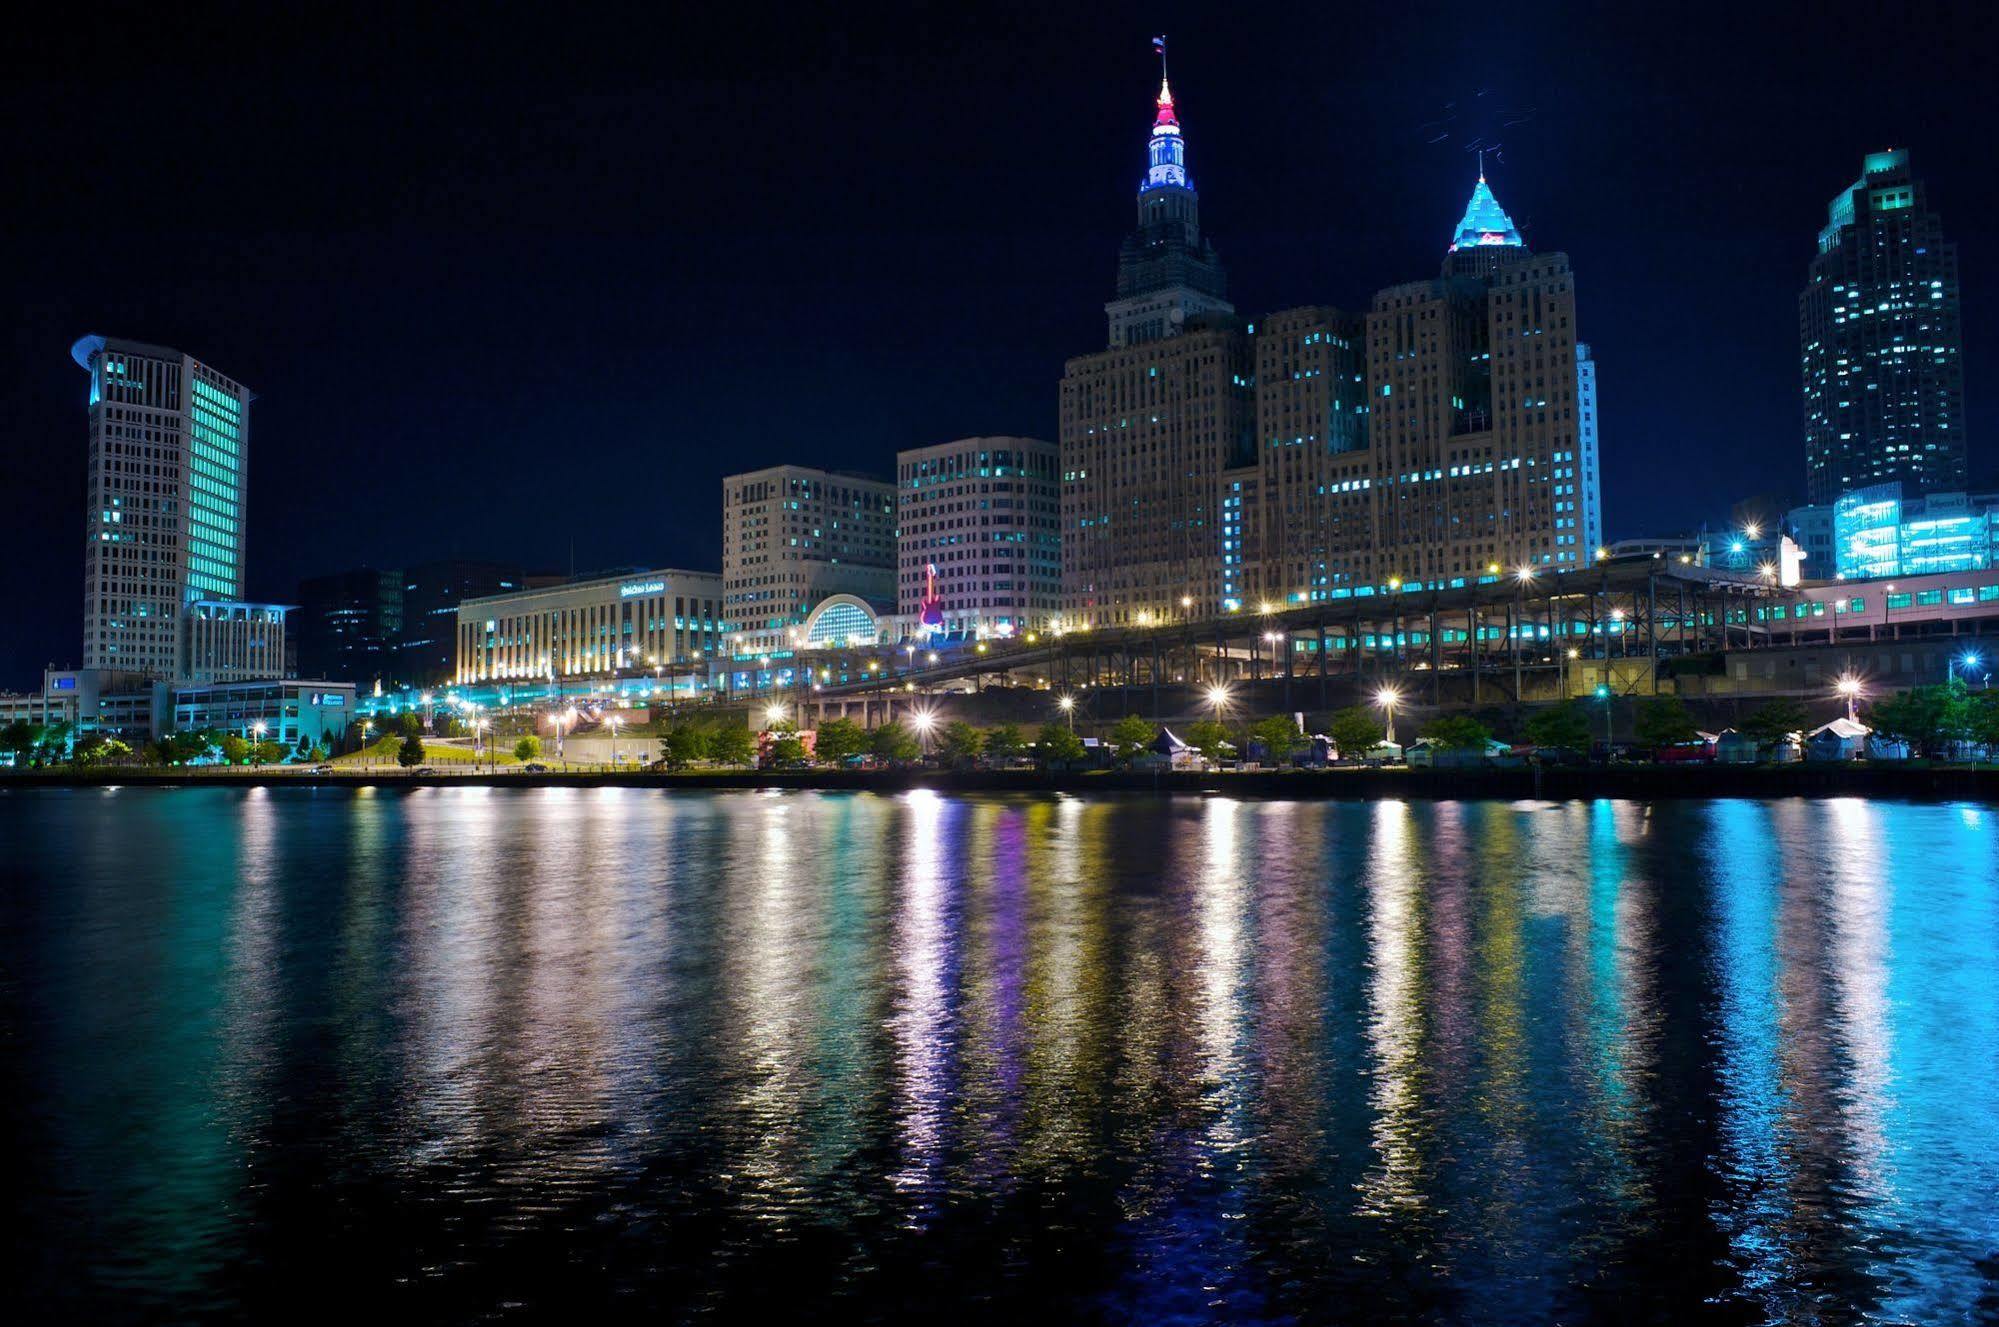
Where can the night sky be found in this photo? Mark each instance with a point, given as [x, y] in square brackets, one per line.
[528, 283]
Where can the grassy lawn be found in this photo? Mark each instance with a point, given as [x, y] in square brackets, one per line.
[384, 750]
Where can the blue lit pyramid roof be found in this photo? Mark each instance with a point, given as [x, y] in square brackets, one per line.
[1485, 221]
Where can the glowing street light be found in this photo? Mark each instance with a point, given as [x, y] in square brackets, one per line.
[923, 721]
[1218, 699]
[1849, 686]
[1388, 698]
[1068, 704]
[774, 713]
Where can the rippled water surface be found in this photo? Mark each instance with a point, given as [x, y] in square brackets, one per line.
[482, 1054]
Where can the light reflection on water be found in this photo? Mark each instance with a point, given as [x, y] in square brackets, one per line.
[473, 1052]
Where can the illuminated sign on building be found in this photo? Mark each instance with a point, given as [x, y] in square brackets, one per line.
[630, 588]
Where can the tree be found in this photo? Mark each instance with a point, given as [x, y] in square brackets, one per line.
[234, 749]
[316, 755]
[786, 749]
[1208, 737]
[410, 754]
[98, 748]
[839, 739]
[892, 741]
[1982, 717]
[1056, 745]
[22, 738]
[1564, 724]
[1004, 742]
[1663, 721]
[528, 748]
[731, 744]
[1131, 735]
[174, 747]
[1773, 720]
[1457, 732]
[962, 742]
[409, 725]
[267, 752]
[1355, 731]
[1924, 717]
[684, 743]
[1279, 735]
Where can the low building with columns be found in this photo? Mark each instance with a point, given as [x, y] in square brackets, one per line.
[631, 622]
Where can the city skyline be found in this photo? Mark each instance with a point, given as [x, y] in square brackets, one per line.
[461, 439]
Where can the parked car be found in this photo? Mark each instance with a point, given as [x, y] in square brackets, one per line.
[534, 767]
[322, 769]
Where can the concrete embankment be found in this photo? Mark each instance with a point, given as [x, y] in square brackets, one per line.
[1947, 782]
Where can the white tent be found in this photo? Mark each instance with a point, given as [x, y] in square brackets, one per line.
[1842, 739]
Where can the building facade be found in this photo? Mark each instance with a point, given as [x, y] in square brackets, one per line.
[232, 642]
[1482, 419]
[1880, 531]
[1880, 346]
[978, 526]
[1314, 483]
[635, 622]
[793, 536]
[169, 447]
[347, 625]
[426, 651]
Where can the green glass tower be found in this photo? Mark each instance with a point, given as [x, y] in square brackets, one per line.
[169, 451]
[1880, 347]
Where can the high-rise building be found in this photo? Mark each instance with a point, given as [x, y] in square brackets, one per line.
[1315, 475]
[1149, 426]
[1881, 351]
[426, 651]
[348, 625]
[1482, 417]
[1166, 272]
[978, 527]
[793, 536]
[169, 451]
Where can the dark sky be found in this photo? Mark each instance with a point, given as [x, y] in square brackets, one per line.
[508, 279]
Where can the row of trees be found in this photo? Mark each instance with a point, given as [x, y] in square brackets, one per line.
[36, 744]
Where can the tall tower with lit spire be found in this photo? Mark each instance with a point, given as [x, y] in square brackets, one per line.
[1166, 272]
[1155, 429]
[1482, 412]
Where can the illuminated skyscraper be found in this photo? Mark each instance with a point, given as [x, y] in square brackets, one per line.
[169, 449]
[1881, 352]
[1149, 426]
[1166, 272]
[1482, 418]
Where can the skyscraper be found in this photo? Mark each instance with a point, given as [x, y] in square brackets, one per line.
[1149, 426]
[1881, 352]
[1482, 417]
[169, 450]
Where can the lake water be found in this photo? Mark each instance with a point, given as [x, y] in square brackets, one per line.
[500, 1054]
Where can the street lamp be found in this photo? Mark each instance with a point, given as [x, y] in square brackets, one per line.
[774, 713]
[1068, 704]
[1968, 661]
[1849, 687]
[1218, 699]
[611, 722]
[923, 721]
[1388, 698]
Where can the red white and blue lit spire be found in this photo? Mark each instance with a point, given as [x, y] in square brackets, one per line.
[1167, 167]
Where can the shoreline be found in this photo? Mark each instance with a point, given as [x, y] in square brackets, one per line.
[1627, 782]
